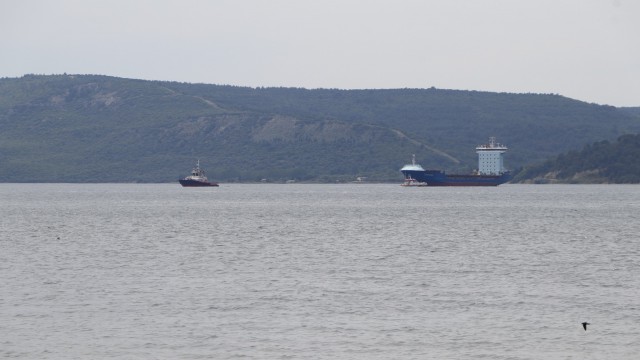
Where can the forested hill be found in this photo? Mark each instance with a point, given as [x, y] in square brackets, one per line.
[91, 128]
[616, 162]
[633, 111]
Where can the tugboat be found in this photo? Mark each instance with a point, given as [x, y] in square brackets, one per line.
[197, 178]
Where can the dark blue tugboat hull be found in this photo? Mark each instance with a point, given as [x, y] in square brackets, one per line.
[194, 183]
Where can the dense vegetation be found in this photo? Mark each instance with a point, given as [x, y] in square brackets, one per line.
[89, 128]
[615, 162]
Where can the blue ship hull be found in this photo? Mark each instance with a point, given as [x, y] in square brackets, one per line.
[439, 178]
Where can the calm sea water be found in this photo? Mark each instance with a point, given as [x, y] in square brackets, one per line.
[108, 271]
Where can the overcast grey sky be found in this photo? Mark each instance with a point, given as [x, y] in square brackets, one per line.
[583, 49]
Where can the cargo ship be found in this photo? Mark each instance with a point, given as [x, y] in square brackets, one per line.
[491, 171]
[197, 178]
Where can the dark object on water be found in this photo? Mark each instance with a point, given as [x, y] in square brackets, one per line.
[491, 171]
[584, 325]
[197, 178]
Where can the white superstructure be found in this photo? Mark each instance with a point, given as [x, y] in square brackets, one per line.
[413, 166]
[490, 158]
[197, 174]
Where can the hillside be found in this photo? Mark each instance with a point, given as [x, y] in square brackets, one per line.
[90, 128]
[632, 111]
[601, 162]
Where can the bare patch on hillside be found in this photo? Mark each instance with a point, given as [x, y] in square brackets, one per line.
[289, 129]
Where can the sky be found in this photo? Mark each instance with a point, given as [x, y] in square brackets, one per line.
[587, 50]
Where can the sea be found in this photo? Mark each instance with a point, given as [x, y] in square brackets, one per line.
[319, 271]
